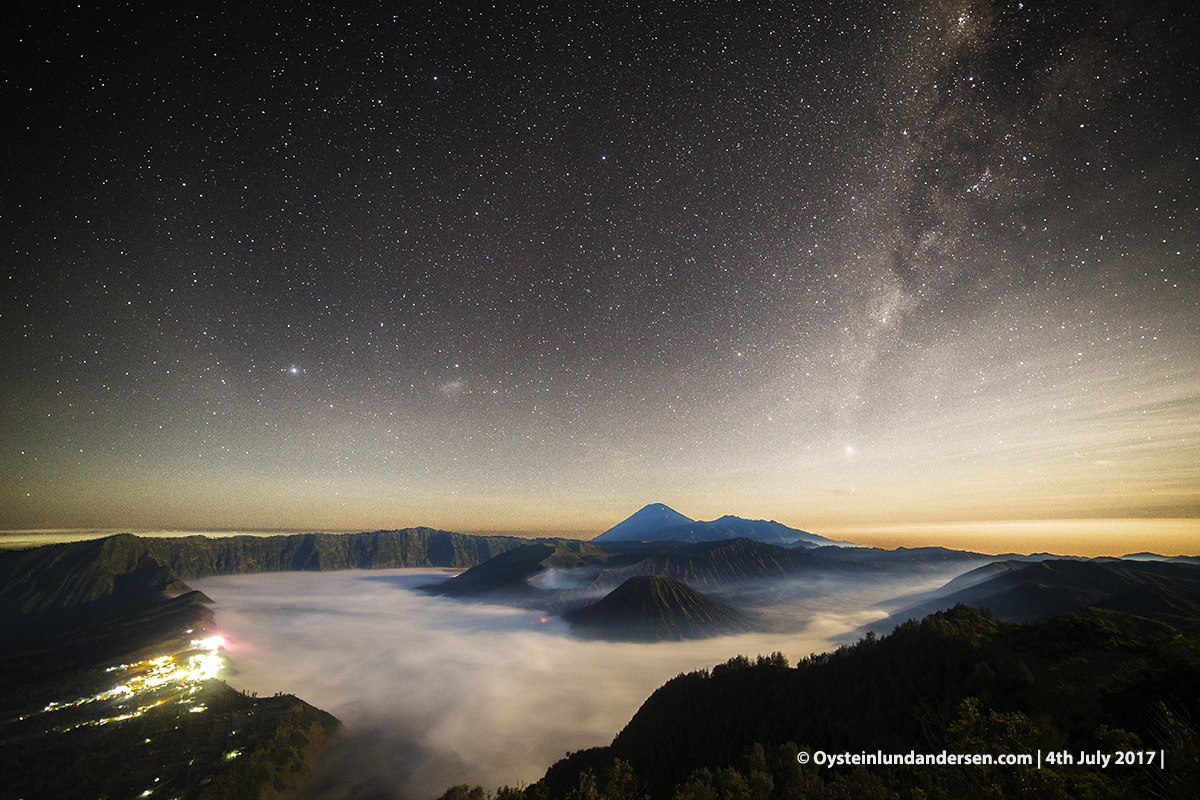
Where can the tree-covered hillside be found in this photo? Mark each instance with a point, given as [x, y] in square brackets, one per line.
[1093, 681]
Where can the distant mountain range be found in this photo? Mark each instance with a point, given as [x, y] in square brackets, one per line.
[659, 523]
[1021, 591]
[746, 572]
[581, 571]
[68, 610]
[562, 575]
[656, 608]
[76, 573]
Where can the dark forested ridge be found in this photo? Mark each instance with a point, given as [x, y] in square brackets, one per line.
[1095, 680]
[1019, 591]
[103, 692]
[98, 700]
[240, 746]
[63, 575]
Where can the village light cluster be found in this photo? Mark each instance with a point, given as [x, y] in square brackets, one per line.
[153, 682]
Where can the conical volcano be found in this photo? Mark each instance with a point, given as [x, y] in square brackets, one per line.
[656, 608]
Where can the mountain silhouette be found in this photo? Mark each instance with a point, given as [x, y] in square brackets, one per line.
[70, 574]
[1024, 592]
[656, 608]
[639, 526]
[658, 523]
[558, 575]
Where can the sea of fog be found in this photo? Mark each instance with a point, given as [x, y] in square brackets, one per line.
[434, 692]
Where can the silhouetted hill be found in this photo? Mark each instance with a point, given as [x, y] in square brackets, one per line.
[933, 557]
[503, 571]
[656, 608]
[1021, 592]
[239, 746]
[956, 681]
[524, 571]
[62, 575]
[1156, 557]
[47, 647]
[81, 717]
[1174, 606]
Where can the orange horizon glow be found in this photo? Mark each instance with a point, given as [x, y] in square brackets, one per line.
[1090, 538]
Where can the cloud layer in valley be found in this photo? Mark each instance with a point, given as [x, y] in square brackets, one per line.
[435, 692]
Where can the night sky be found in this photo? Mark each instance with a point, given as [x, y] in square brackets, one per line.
[832, 263]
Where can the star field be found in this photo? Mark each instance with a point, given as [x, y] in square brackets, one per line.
[828, 263]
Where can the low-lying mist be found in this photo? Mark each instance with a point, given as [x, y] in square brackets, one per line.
[433, 692]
